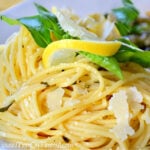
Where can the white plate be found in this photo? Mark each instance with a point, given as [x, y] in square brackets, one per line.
[81, 7]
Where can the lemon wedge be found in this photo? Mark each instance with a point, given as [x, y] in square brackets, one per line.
[102, 48]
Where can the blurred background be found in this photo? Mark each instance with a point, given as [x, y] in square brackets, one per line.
[20, 8]
[83, 5]
[5, 4]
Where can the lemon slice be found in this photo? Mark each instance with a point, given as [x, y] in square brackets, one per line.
[102, 48]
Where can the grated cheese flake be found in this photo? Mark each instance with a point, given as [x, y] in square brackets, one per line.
[73, 28]
[119, 105]
[71, 102]
[54, 99]
[134, 100]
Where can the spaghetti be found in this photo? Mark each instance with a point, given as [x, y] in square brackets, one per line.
[66, 106]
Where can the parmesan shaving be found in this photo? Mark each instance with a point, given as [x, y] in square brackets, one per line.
[104, 28]
[125, 104]
[73, 28]
[79, 90]
[54, 99]
[119, 105]
[134, 99]
[71, 102]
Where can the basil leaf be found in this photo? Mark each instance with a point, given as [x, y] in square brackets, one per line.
[128, 45]
[142, 58]
[129, 52]
[3, 109]
[127, 2]
[125, 16]
[109, 63]
[40, 26]
[10, 21]
[36, 26]
[51, 22]
[123, 28]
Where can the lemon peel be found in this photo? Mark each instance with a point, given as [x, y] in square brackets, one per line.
[103, 48]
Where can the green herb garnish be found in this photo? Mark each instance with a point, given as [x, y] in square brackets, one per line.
[129, 52]
[109, 63]
[125, 16]
[40, 26]
[3, 109]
